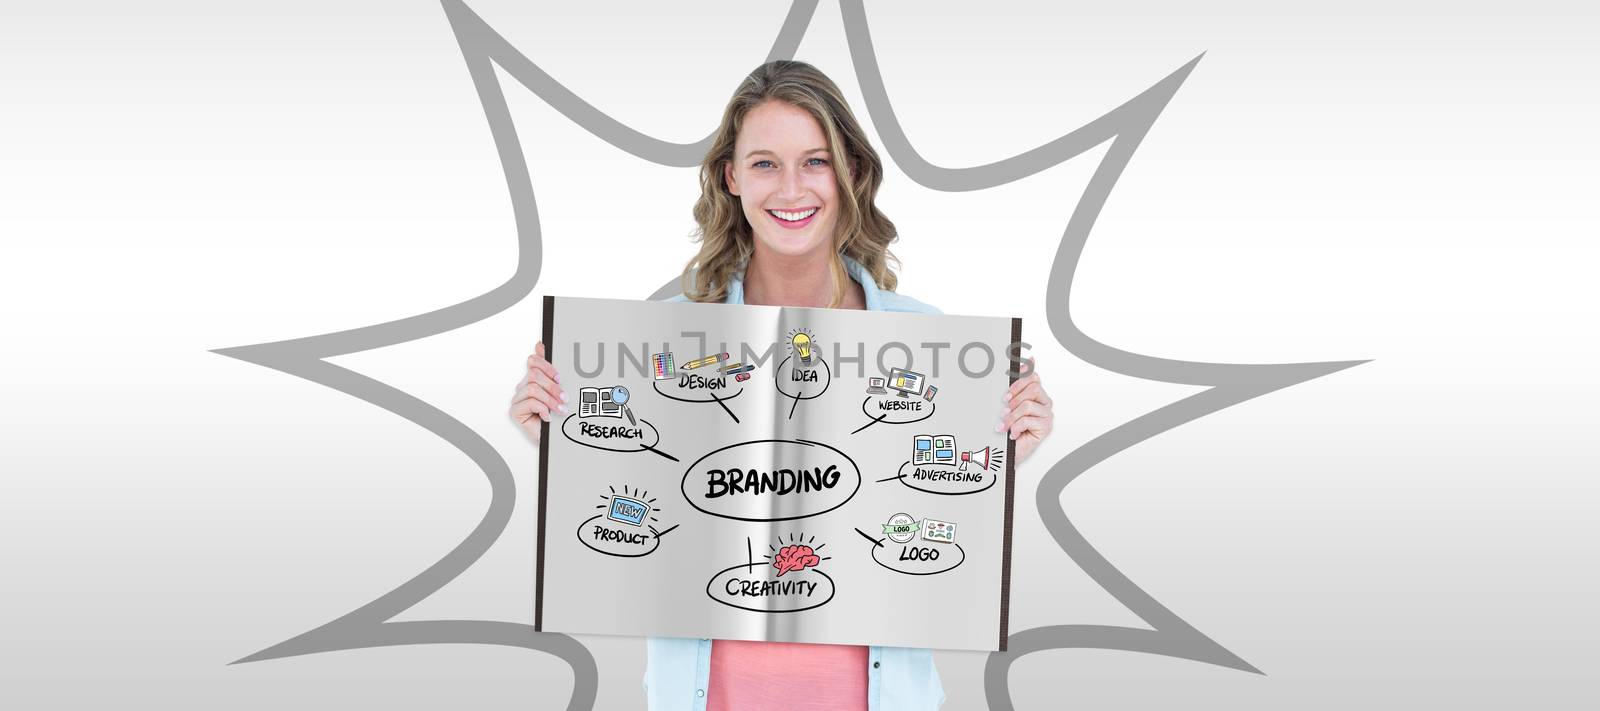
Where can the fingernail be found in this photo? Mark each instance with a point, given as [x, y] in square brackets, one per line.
[1006, 397]
[563, 398]
[1000, 426]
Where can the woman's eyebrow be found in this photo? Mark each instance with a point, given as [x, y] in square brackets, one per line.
[770, 153]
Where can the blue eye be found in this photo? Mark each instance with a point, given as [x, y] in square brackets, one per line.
[760, 163]
[822, 161]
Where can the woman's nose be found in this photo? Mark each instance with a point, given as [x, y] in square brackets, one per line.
[789, 185]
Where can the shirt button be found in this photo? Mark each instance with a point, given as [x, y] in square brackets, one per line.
[699, 692]
[875, 665]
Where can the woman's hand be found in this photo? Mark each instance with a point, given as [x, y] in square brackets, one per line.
[538, 395]
[1029, 413]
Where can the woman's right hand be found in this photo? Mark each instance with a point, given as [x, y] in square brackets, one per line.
[538, 395]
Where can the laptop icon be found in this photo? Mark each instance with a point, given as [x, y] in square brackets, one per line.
[875, 386]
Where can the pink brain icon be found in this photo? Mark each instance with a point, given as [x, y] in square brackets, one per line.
[795, 558]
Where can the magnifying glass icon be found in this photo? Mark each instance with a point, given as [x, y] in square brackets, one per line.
[619, 395]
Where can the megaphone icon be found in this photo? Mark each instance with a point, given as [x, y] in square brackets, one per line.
[986, 459]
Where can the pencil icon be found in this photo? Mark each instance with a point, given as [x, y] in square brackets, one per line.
[737, 369]
[708, 360]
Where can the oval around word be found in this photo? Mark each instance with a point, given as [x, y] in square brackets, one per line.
[896, 411]
[613, 434]
[801, 382]
[790, 479]
[914, 559]
[603, 536]
[708, 395]
[946, 479]
[758, 589]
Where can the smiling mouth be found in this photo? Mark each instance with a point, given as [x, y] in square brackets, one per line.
[794, 216]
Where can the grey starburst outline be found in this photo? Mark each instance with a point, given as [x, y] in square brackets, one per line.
[1125, 126]
[369, 625]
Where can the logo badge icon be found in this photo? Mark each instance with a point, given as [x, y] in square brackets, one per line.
[901, 528]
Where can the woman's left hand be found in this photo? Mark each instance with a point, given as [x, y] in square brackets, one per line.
[1029, 413]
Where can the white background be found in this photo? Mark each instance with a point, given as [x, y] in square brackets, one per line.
[1413, 185]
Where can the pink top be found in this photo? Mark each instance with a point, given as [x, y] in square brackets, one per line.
[786, 676]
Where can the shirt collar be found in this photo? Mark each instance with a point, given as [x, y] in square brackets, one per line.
[869, 288]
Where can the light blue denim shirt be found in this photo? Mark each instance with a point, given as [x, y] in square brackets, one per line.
[877, 299]
[678, 671]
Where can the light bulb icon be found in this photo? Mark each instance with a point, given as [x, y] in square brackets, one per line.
[802, 347]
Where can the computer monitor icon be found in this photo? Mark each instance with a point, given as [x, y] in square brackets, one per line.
[629, 511]
[906, 382]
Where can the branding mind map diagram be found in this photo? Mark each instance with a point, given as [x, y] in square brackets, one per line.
[727, 467]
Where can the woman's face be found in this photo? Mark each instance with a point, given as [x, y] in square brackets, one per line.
[782, 172]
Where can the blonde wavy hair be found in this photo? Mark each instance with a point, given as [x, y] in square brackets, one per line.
[726, 240]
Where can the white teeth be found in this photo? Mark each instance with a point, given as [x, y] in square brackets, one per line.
[793, 216]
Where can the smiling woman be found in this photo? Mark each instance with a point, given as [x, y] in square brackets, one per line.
[789, 179]
[786, 217]
[781, 183]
